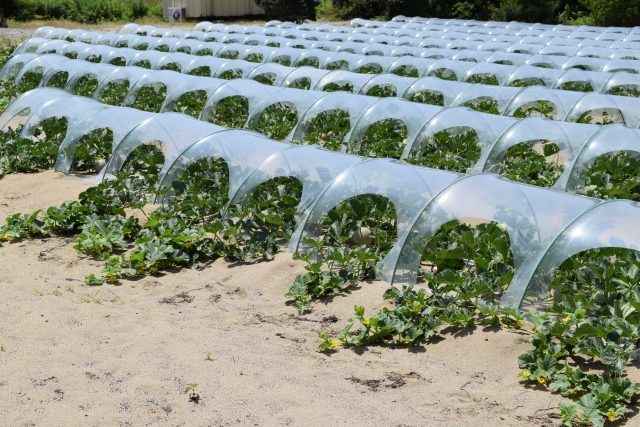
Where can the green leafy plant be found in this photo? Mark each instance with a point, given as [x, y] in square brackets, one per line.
[282, 60]
[444, 74]
[191, 391]
[119, 61]
[484, 104]
[337, 87]
[30, 80]
[356, 235]
[231, 74]
[277, 121]
[540, 108]
[384, 138]
[190, 103]
[577, 86]
[308, 62]
[612, 176]
[625, 90]
[171, 66]
[328, 129]
[229, 54]
[59, 80]
[202, 71]
[522, 163]
[150, 97]
[406, 71]
[383, 91]
[86, 85]
[456, 149]
[601, 116]
[266, 79]
[231, 112]
[254, 57]
[115, 92]
[369, 69]
[303, 83]
[526, 82]
[337, 65]
[94, 147]
[485, 79]
[430, 97]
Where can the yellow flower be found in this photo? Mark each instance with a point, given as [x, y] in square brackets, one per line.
[335, 343]
[153, 270]
[407, 342]
[113, 278]
[519, 324]
[526, 374]
[365, 321]
[541, 380]
[5, 236]
[611, 414]
[186, 245]
[566, 319]
[409, 302]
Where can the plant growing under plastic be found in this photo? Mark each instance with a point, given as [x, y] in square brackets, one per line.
[191, 103]
[613, 176]
[115, 92]
[277, 121]
[338, 87]
[485, 79]
[430, 97]
[86, 86]
[150, 98]
[522, 163]
[483, 104]
[540, 108]
[328, 129]
[93, 151]
[457, 150]
[231, 112]
[384, 138]
[383, 91]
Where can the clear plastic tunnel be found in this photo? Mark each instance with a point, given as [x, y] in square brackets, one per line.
[372, 64]
[457, 139]
[314, 167]
[204, 66]
[609, 140]
[161, 129]
[31, 73]
[598, 108]
[364, 139]
[488, 73]
[151, 90]
[404, 185]
[233, 102]
[532, 217]
[278, 114]
[21, 108]
[173, 62]
[328, 120]
[73, 109]
[312, 58]
[190, 97]
[59, 75]
[538, 132]
[541, 101]
[120, 121]
[114, 87]
[341, 80]
[486, 99]
[434, 91]
[270, 74]
[13, 66]
[611, 224]
[242, 150]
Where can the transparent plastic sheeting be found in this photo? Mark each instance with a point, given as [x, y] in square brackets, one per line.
[354, 105]
[612, 59]
[406, 186]
[176, 132]
[532, 216]
[413, 115]
[461, 70]
[610, 139]
[569, 137]
[315, 167]
[119, 119]
[242, 150]
[610, 224]
[21, 108]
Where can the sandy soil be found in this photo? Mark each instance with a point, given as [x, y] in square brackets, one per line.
[125, 358]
